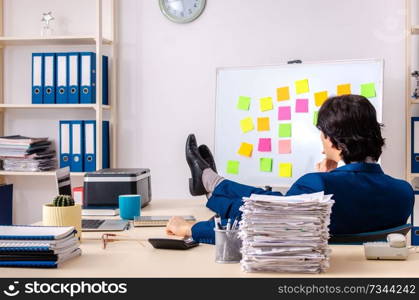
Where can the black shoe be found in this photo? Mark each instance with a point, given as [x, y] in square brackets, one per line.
[197, 165]
[206, 154]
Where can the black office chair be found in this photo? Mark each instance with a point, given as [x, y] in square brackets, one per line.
[373, 236]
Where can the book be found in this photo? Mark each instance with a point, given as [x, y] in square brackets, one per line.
[100, 211]
[38, 249]
[22, 232]
[46, 263]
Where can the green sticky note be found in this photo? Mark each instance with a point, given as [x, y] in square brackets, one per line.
[233, 167]
[265, 164]
[315, 117]
[284, 130]
[368, 90]
[243, 103]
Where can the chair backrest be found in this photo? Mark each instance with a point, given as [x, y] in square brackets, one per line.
[373, 236]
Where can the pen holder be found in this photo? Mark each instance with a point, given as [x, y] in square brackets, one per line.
[227, 246]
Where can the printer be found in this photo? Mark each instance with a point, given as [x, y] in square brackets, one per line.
[102, 187]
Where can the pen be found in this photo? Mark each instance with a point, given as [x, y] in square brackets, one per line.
[217, 221]
[228, 224]
[236, 221]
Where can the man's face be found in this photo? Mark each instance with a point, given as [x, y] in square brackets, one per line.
[328, 149]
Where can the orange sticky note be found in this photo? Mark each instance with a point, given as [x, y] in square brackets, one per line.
[320, 98]
[266, 104]
[343, 89]
[246, 125]
[283, 93]
[263, 124]
[285, 170]
[245, 149]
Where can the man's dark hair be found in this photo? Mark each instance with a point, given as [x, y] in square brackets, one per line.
[350, 121]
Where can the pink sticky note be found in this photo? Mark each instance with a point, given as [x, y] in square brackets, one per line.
[284, 113]
[284, 146]
[264, 145]
[301, 105]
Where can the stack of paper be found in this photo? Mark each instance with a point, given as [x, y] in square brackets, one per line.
[286, 234]
[37, 246]
[21, 153]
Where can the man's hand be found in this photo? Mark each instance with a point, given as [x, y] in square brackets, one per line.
[326, 165]
[178, 226]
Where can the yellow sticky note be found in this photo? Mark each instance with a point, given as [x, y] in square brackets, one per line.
[266, 104]
[285, 170]
[343, 89]
[283, 93]
[263, 124]
[320, 98]
[245, 149]
[301, 86]
[246, 124]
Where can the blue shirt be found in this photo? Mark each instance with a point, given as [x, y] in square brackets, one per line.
[366, 199]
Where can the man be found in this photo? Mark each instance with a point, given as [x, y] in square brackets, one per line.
[365, 198]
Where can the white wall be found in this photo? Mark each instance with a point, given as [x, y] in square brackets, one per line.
[167, 72]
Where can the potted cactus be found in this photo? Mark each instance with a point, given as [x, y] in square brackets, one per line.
[62, 212]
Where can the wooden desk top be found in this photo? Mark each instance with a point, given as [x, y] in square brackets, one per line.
[131, 259]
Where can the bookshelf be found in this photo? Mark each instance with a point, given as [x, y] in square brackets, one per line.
[97, 40]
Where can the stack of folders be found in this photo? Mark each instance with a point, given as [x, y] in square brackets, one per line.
[67, 78]
[286, 234]
[20, 153]
[37, 246]
[78, 145]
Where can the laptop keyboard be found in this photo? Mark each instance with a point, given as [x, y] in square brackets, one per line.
[91, 224]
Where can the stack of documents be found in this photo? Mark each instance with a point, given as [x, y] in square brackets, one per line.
[37, 246]
[21, 153]
[286, 234]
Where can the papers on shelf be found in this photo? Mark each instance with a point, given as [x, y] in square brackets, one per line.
[286, 234]
[20, 153]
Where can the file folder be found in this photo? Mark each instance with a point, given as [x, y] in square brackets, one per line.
[74, 77]
[37, 77]
[90, 145]
[77, 151]
[88, 78]
[65, 141]
[6, 204]
[62, 78]
[49, 78]
[105, 79]
[415, 145]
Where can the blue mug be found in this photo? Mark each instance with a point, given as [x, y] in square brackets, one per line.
[129, 206]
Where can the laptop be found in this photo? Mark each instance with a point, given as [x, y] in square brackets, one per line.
[64, 188]
[157, 221]
[104, 225]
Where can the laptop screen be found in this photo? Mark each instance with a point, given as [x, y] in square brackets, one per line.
[63, 181]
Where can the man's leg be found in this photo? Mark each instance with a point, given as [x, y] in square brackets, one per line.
[225, 196]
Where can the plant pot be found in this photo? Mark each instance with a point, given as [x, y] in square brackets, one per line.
[62, 216]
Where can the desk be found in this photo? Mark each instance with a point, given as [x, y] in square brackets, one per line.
[130, 259]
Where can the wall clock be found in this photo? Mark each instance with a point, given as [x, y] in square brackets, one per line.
[182, 11]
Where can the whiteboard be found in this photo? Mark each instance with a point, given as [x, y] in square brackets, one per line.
[261, 82]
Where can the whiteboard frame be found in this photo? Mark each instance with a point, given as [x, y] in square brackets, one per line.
[346, 61]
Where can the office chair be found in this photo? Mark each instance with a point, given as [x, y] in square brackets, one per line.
[373, 236]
